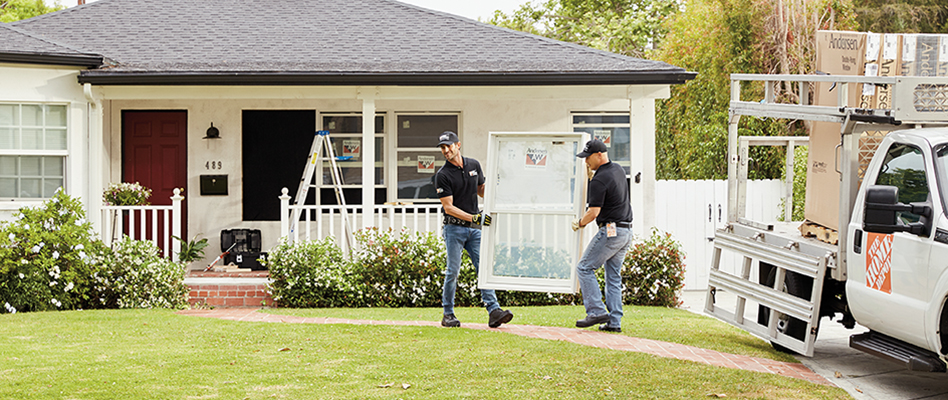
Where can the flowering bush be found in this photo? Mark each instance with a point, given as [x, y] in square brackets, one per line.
[653, 272]
[126, 194]
[312, 274]
[400, 269]
[48, 255]
[138, 277]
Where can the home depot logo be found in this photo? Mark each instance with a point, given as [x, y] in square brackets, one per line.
[879, 262]
[536, 158]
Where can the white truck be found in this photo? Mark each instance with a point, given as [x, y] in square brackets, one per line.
[889, 270]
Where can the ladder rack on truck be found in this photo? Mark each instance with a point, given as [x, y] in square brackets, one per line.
[799, 268]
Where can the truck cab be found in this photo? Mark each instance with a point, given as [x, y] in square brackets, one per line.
[898, 247]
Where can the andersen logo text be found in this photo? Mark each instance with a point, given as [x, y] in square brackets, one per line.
[841, 43]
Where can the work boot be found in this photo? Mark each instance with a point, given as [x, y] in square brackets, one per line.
[450, 321]
[607, 328]
[498, 317]
[592, 320]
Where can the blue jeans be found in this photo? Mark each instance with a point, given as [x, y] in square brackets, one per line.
[611, 252]
[456, 238]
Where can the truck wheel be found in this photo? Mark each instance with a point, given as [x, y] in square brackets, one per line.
[795, 284]
[943, 329]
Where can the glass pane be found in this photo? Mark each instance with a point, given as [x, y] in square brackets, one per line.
[8, 166]
[535, 175]
[8, 187]
[617, 141]
[53, 167]
[56, 116]
[904, 168]
[8, 139]
[352, 168]
[600, 119]
[545, 256]
[32, 139]
[350, 123]
[50, 186]
[55, 139]
[416, 174]
[32, 115]
[423, 130]
[31, 187]
[30, 166]
[9, 115]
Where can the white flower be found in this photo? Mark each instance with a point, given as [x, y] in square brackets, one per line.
[68, 287]
[24, 262]
[9, 308]
[55, 255]
[21, 276]
[53, 283]
[36, 249]
[78, 247]
[57, 303]
[12, 237]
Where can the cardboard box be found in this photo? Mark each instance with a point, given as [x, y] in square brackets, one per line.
[942, 55]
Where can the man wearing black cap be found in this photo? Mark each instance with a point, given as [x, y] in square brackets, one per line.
[458, 184]
[609, 206]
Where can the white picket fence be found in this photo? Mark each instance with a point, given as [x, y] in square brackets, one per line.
[156, 224]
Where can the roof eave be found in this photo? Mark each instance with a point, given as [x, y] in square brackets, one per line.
[76, 60]
[99, 77]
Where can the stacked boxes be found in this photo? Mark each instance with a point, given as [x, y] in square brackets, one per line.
[869, 54]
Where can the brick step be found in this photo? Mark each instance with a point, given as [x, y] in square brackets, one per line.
[229, 290]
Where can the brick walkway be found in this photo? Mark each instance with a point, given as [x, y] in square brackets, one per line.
[579, 336]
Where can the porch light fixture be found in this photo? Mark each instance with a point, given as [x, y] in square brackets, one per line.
[212, 133]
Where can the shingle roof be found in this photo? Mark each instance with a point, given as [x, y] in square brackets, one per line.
[22, 47]
[322, 39]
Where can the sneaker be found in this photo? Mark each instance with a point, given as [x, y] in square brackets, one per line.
[592, 320]
[498, 317]
[450, 321]
[607, 328]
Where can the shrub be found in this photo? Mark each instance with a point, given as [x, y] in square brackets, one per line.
[48, 256]
[402, 269]
[138, 277]
[653, 272]
[126, 194]
[312, 274]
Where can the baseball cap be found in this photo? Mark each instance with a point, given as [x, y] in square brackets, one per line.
[448, 138]
[592, 146]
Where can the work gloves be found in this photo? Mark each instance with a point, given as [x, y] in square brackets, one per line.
[481, 219]
[576, 226]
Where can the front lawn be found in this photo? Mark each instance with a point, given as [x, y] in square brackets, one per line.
[156, 354]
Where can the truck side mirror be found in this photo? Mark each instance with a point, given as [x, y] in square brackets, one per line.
[882, 207]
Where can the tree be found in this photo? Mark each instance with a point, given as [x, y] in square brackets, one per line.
[628, 27]
[15, 10]
[902, 16]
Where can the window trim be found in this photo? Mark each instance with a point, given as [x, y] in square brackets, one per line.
[628, 125]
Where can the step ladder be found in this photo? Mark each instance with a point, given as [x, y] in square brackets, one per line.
[322, 150]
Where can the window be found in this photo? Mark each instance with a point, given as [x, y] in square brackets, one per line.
[32, 150]
[346, 137]
[417, 153]
[904, 168]
[613, 129]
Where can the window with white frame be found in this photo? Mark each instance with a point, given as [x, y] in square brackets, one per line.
[417, 153]
[613, 129]
[345, 133]
[32, 150]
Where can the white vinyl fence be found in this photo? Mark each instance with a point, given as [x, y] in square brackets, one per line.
[692, 210]
[149, 223]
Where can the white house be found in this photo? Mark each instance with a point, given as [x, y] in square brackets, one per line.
[129, 89]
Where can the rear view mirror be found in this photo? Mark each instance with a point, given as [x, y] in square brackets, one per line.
[882, 210]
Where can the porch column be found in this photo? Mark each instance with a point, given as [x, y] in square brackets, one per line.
[368, 154]
[96, 159]
[642, 141]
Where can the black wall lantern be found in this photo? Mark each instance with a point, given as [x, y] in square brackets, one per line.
[212, 133]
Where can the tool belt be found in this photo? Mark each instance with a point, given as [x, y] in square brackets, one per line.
[618, 224]
[449, 220]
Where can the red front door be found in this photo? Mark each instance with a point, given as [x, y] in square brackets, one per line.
[154, 154]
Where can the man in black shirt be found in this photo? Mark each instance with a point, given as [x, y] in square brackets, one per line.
[458, 184]
[609, 206]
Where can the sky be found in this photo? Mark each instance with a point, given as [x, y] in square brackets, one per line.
[473, 9]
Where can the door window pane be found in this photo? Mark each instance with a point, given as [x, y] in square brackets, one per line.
[418, 157]
[416, 174]
[423, 130]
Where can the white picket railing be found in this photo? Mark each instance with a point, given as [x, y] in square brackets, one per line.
[143, 223]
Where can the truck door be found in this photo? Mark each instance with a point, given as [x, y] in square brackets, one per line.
[888, 286]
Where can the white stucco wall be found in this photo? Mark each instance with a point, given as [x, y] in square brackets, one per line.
[22, 83]
[481, 110]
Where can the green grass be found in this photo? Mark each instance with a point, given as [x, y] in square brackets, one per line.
[658, 323]
[155, 354]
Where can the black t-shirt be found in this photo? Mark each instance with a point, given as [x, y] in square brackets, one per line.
[461, 183]
[609, 189]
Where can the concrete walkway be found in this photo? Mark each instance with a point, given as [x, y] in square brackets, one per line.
[579, 336]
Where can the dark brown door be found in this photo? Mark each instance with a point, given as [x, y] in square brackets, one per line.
[154, 154]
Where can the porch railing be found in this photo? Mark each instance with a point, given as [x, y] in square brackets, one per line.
[155, 224]
[319, 221]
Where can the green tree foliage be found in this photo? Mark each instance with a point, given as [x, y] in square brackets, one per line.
[620, 26]
[902, 16]
[15, 10]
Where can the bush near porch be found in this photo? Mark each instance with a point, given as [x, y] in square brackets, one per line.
[52, 259]
[401, 269]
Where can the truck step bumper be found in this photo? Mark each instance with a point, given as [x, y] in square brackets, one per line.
[913, 357]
